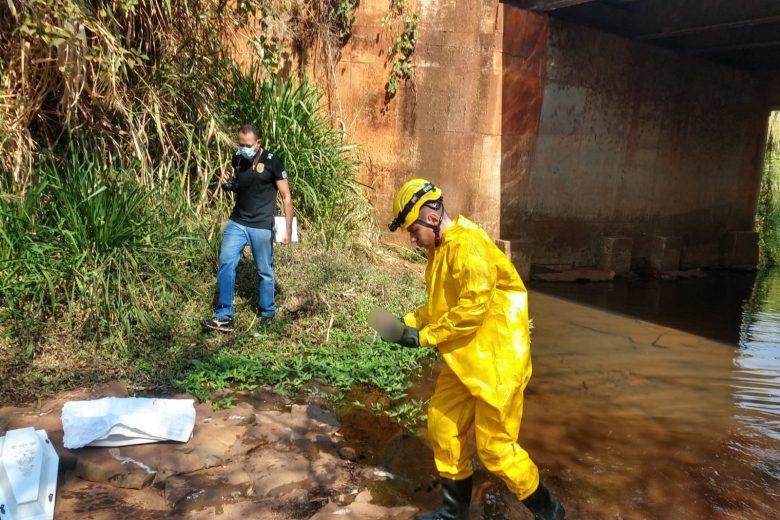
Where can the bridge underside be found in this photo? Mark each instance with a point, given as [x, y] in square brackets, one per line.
[633, 130]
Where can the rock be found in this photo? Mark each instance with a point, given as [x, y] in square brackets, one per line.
[68, 458]
[276, 473]
[348, 453]
[112, 389]
[363, 509]
[331, 472]
[244, 510]
[377, 474]
[79, 499]
[685, 275]
[577, 275]
[317, 392]
[110, 466]
[305, 424]
[264, 399]
[243, 414]
[240, 463]
[201, 488]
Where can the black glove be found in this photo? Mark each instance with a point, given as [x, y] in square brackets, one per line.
[410, 337]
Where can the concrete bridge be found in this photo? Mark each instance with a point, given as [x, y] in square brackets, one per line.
[640, 155]
[583, 133]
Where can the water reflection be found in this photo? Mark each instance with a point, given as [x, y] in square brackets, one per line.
[757, 378]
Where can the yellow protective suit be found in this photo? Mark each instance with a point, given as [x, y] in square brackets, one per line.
[477, 316]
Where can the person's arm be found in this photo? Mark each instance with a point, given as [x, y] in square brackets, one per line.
[418, 318]
[284, 190]
[476, 280]
[228, 181]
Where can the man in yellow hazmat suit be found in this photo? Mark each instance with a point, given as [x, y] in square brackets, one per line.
[477, 316]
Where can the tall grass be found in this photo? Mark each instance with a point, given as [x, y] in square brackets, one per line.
[141, 74]
[91, 242]
[320, 162]
[768, 214]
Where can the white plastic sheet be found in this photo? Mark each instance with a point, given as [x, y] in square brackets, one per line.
[123, 421]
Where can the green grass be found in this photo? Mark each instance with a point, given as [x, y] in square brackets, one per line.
[382, 366]
[320, 333]
[768, 213]
[92, 245]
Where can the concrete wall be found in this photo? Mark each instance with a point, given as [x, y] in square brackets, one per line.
[632, 140]
[445, 124]
[553, 136]
[524, 65]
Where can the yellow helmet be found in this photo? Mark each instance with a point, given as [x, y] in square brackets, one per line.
[410, 198]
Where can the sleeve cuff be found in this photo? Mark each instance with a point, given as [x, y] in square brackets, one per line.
[427, 339]
[410, 320]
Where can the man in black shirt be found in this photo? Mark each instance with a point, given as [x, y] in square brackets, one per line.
[257, 177]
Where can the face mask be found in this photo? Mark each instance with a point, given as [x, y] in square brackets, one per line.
[247, 152]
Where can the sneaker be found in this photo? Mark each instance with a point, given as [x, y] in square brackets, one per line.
[266, 321]
[220, 324]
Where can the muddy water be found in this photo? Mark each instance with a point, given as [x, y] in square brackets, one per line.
[649, 400]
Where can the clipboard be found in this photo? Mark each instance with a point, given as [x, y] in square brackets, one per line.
[280, 228]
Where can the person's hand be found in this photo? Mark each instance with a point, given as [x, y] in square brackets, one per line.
[224, 179]
[285, 239]
[410, 337]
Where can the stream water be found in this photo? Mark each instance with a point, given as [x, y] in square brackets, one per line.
[649, 400]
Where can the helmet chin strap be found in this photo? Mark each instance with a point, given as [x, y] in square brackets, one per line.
[436, 228]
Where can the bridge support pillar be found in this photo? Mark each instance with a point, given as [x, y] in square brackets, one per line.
[739, 249]
[614, 254]
[666, 253]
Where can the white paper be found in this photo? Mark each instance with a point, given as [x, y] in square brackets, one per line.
[280, 223]
[123, 421]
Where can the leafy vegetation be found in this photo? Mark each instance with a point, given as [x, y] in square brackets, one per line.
[768, 214]
[91, 243]
[343, 18]
[400, 54]
[116, 120]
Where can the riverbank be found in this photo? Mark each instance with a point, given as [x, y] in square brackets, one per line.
[265, 458]
[320, 332]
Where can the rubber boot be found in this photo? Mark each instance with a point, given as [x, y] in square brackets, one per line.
[543, 505]
[456, 502]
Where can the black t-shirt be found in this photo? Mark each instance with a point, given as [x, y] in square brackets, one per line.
[256, 189]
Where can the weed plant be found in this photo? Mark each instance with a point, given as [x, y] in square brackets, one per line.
[91, 243]
[768, 213]
[321, 331]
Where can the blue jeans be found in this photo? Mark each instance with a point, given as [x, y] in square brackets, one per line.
[234, 238]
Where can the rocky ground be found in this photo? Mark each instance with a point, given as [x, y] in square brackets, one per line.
[270, 460]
